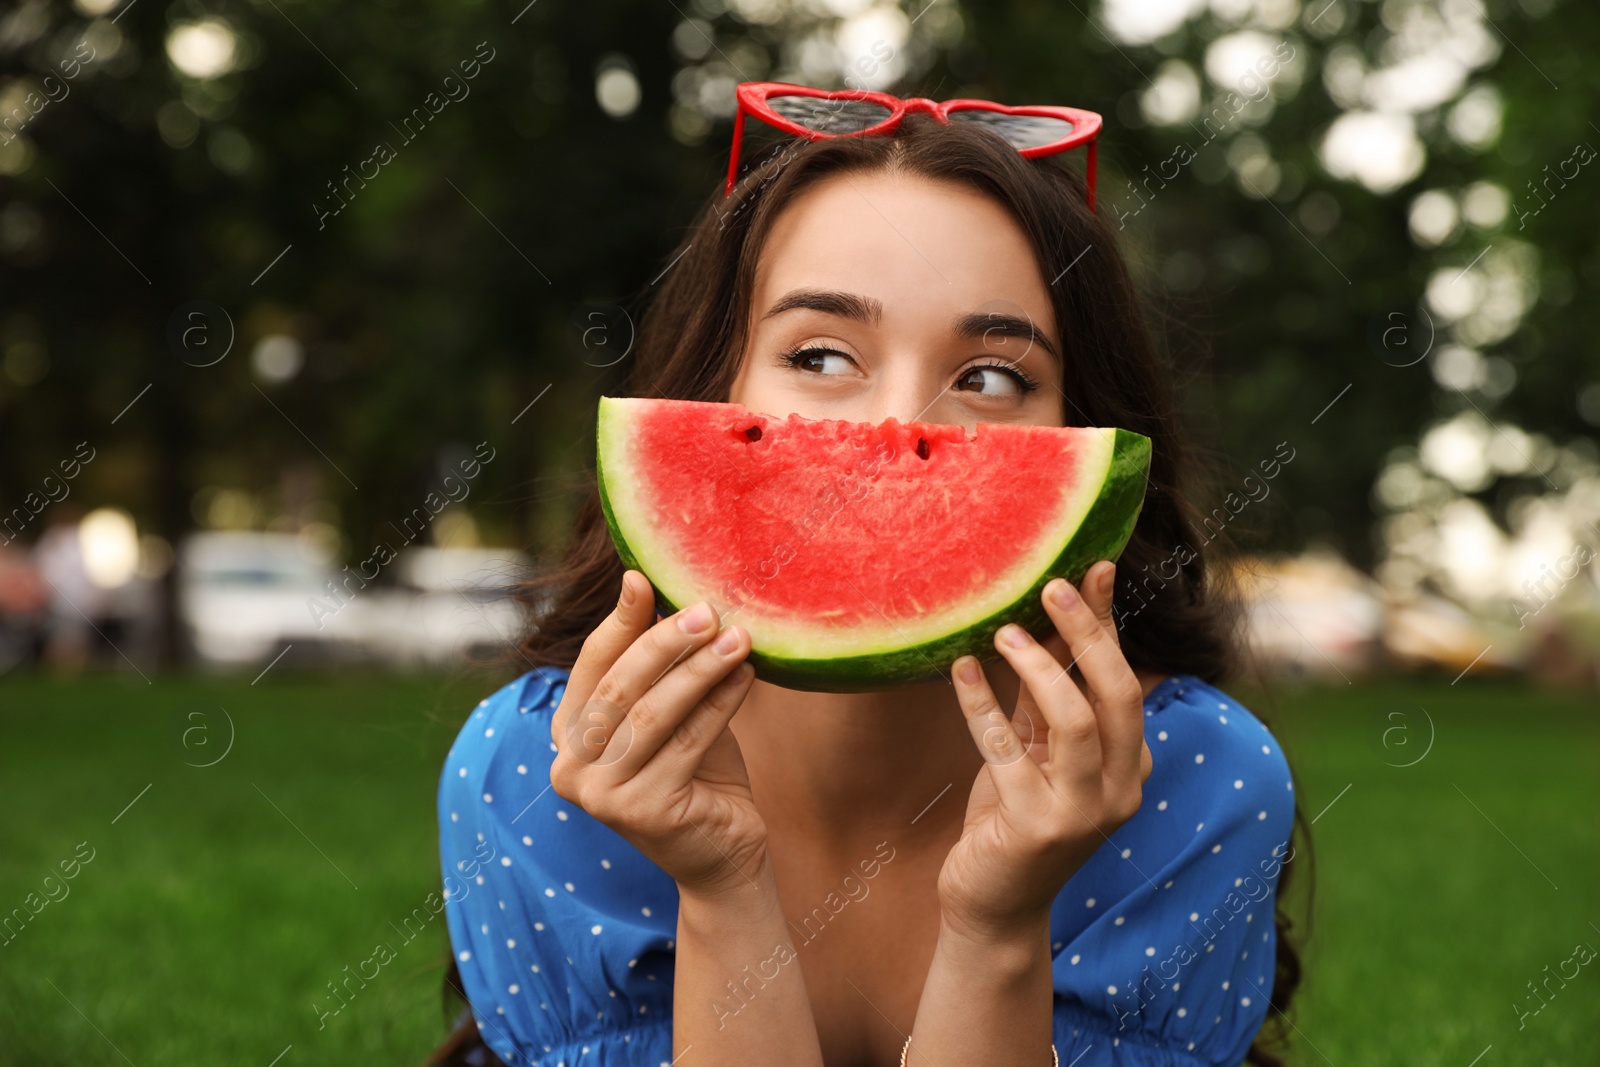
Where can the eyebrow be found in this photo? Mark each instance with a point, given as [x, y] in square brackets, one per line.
[976, 325]
[979, 325]
[831, 302]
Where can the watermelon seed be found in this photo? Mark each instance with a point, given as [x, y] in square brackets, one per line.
[754, 433]
[922, 447]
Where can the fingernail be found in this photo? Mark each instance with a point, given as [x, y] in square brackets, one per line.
[1062, 595]
[625, 597]
[1110, 577]
[726, 643]
[967, 670]
[696, 620]
[1014, 635]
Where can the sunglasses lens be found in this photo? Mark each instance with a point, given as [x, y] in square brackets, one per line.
[1020, 131]
[829, 116]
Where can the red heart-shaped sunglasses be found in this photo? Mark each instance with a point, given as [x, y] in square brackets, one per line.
[1034, 130]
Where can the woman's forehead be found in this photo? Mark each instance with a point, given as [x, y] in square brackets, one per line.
[906, 244]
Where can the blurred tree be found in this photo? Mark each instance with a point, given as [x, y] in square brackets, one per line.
[387, 220]
[1354, 215]
[406, 223]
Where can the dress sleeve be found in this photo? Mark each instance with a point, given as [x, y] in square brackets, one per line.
[561, 931]
[1165, 941]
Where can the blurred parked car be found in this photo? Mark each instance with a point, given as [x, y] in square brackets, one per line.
[449, 605]
[245, 597]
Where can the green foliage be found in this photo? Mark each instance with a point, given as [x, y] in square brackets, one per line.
[453, 289]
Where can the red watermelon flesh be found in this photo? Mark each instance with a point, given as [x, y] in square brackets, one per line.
[857, 555]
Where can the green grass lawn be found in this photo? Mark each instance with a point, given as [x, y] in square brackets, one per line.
[217, 908]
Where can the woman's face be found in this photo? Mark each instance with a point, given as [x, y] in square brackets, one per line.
[879, 295]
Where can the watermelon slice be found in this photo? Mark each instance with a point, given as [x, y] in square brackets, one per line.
[861, 556]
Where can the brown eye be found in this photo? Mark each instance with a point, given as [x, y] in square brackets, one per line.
[818, 361]
[992, 381]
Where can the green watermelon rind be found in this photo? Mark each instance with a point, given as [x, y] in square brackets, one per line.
[1103, 534]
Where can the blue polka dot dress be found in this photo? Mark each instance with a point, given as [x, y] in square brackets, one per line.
[1163, 943]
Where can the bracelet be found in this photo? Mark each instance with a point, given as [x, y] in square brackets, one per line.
[1055, 1057]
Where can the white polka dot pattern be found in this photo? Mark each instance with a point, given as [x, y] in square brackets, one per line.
[563, 933]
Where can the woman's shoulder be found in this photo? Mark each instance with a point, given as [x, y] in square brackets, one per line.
[1218, 773]
[495, 791]
[1164, 940]
[562, 931]
[536, 691]
[511, 716]
[1219, 796]
[1190, 719]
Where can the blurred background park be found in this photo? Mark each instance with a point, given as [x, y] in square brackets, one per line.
[1366, 232]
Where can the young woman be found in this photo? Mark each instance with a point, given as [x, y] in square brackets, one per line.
[1069, 854]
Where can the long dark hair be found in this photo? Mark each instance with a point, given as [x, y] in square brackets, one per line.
[1177, 609]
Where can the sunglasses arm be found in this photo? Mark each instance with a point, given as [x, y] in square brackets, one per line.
[1094, 147]
[733, 156]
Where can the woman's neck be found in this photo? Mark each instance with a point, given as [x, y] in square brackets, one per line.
[844, 770]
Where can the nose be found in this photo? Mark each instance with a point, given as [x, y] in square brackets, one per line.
[907, 394]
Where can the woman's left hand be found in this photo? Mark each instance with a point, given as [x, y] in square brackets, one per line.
[1060, 777]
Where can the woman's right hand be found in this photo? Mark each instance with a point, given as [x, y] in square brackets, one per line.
[642, 742]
